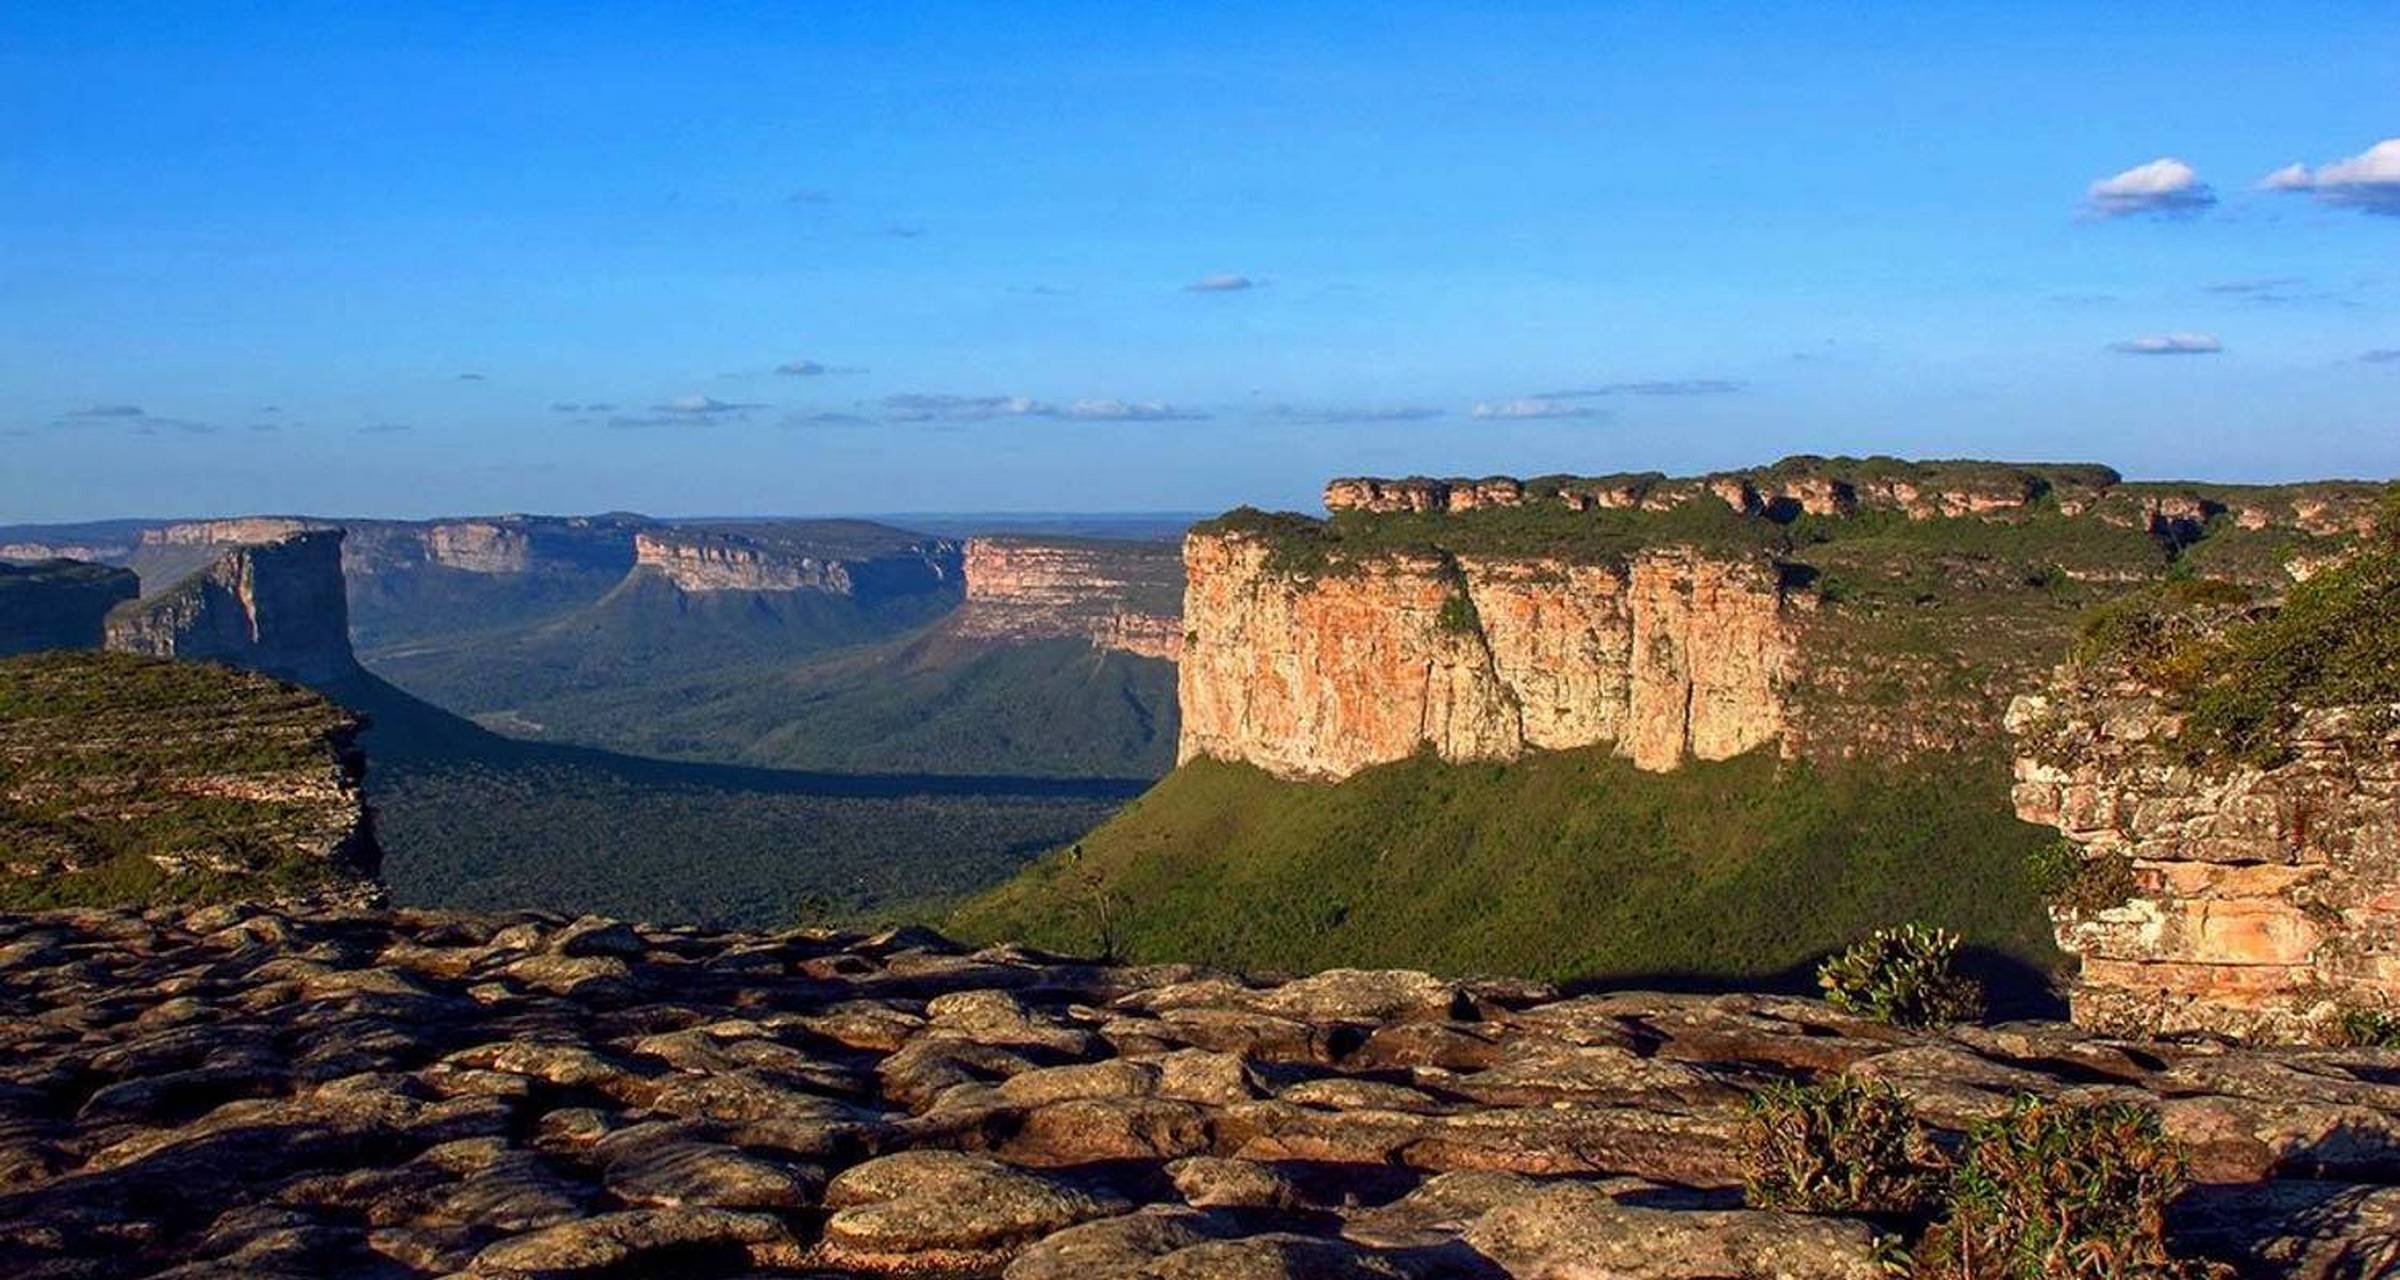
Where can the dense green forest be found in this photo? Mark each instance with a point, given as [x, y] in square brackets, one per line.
[928, 703]
[1567, 865]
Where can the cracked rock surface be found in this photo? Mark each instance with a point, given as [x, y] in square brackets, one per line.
[245, 1091]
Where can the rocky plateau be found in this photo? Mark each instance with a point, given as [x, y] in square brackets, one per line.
[257, 1092]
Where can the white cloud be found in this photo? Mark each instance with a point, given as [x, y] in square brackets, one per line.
[800, 368]
[2169, 344]
[699, 406]
[1130, 411]
[2368, 181]
[2165, 186]
[1221, 282]
[1532, 407]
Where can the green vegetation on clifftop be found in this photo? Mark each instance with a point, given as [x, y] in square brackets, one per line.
[1562, 865]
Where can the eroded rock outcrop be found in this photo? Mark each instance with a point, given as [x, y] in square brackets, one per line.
[271, 1092]
[1117, 595]
[1673, 654]
[2227, 897]
[277, 607]
[59, 604]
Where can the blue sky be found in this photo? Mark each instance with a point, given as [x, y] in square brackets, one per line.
[358, 258]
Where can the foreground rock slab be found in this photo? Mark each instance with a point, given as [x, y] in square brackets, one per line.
[250, 1092]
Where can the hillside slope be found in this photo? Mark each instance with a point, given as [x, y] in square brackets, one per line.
[1563, 865]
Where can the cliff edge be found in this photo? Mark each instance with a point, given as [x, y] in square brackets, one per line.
[129, 780]
[277, 607]
[59, 604]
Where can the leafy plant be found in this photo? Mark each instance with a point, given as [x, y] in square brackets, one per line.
[1843, 1146]
[2358, 1027]
[2059, 1191]
[1906, 976]
[2074, 879]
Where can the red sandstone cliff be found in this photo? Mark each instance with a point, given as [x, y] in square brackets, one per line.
[1671, 656]
[1117, 595]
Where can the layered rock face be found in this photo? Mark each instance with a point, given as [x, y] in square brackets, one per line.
[707, 560]
[126, 779]
[2247, 901]
[240, 1091]
[1124, 595]
[59, 604]
[278, 607]
[1671, 656]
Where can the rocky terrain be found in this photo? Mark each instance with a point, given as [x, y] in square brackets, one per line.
[277, 607]
[126, 778]
[244, 1091]
[58, 604]
[1116, 595]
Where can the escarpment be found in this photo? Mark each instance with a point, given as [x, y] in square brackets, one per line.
[872, 562]
[1116, 595]
[59, 604]
[277, 607]
[128, 780]
[1832, 608]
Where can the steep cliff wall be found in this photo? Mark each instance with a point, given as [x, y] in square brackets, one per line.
[1116, 595]
[133, 781]
[58, 604]
[705, 560]
[1670, 655]
[277, 607]
[2219, 897]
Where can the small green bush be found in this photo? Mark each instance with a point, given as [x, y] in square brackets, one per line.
[2071, 879]
[2356, 1027]
[2057, 1191]
[1843, 1146]
[1906, 976]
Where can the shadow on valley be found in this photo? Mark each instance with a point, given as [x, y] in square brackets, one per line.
[469, 818]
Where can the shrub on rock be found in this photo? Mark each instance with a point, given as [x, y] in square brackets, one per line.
[1844, 1146]
[1906, 976]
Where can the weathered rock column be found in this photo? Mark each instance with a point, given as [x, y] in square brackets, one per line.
[2258, 902]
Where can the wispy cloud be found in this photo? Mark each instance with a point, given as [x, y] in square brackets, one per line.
[2381, 355]
[2165, 187]
[1356, 415]
[921, 407]
[809, 195]
[826, 418]
[1130, 411]
[903, 230]
[2169, 344]
[1530, 408]
[385, 429]
[814, 369]
[700, 406]
[1652, 387]
[2368, 181]
[1221, 282]
[2075, 298]
[2262, 289]
[469, 377]
[582, 406]
[106, 411]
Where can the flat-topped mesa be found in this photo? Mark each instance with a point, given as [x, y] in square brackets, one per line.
[1669, 655]
[1115, 595]
[59, 604]
[233, 531]
[278, 607]
[494, 545]
[1808, 485]
[847, 563]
